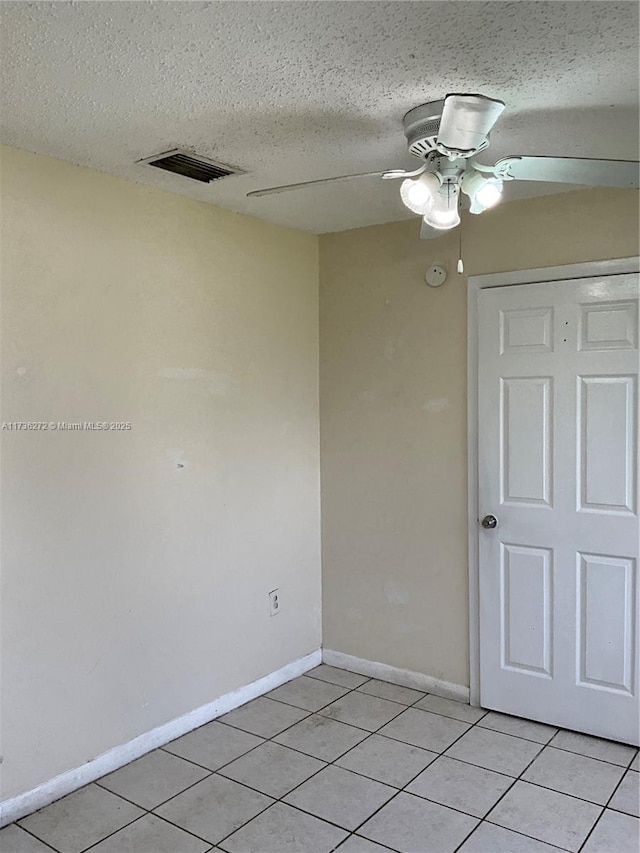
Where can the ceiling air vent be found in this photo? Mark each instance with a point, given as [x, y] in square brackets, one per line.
[190, 166]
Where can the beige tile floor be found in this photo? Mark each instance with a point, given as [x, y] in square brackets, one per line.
[336, 761]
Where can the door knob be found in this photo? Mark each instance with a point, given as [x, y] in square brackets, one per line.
[489, 522]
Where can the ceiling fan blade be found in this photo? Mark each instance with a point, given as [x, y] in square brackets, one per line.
[394, 174]
[570, 170]
[428, 233]
[287, 187]
[466, 122]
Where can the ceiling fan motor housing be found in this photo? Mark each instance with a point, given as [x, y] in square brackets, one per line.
[421, 125]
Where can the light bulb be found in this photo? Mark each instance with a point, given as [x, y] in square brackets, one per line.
[489, 194]
[443, 213]
[417, 193]
[483, 192]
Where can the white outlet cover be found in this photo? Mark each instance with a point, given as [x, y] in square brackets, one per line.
[274, 602]
[436, 275]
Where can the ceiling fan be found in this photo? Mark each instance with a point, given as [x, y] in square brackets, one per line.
[447, 135]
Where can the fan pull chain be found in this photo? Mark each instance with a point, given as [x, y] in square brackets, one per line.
[460, 261]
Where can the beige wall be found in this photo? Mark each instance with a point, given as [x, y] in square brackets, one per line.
[134, 589]
[393, 416]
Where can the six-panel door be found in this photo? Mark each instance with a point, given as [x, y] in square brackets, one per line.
[558, 466]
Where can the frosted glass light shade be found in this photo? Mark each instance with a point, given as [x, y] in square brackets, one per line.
[418, 193]
[483, 192]
[490, 194]
[443, 213]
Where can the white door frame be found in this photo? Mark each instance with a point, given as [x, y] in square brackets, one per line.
[475, 284]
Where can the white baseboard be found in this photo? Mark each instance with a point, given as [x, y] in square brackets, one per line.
[404, 677]
[65, 783]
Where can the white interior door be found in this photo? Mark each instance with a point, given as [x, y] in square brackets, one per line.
[558, 468]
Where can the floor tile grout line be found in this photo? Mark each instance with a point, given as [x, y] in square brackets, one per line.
[361, 837]
[564, 793]
[524, 835]
[520, 779]
[608, 803]
[146, 814]
[182, 790]
[280, 800]
[510, 734]
[93, 844]
[28, 831]
[344, 695]
[620, 811]
[542, 744]
[467, 837]
[510, 788]
[588, 836]
[517, 779]
[237, 728]
[377, 731]
[367, 679]
[422, 693]
[370, 734]
[529, 781]
[550, 743]
[471, 764]
[100, 840]
[238, 828]
[506, 791]
[237, 758]
[592, 757]
[582, 755]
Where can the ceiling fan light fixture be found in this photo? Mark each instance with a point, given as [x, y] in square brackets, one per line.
[418, 193]
[443, 213]
[482, 191]
[490, 194]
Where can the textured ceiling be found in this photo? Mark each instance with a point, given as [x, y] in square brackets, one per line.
[290, 91]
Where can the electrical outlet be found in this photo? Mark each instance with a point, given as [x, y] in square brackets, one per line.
[274, 602]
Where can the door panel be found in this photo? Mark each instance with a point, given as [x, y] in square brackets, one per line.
[526, 330]
[526, 596]
[525, 440]
[606, 414]
[609, 325]
[606, 645]
[558, 466]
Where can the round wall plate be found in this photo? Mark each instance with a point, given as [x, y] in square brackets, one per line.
[436, 275]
